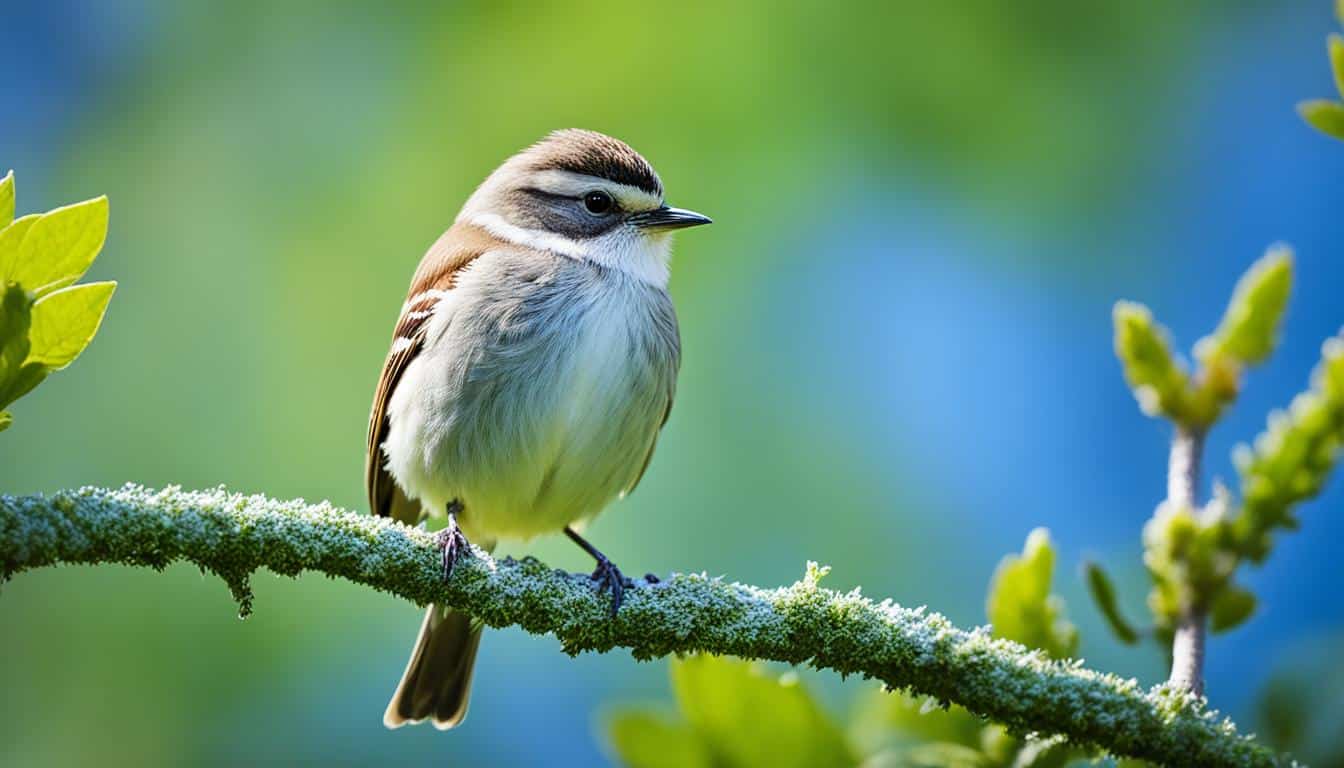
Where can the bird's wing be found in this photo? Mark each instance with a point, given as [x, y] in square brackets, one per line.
[434, 280]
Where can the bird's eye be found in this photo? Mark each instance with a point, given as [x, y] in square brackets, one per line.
[598, 202]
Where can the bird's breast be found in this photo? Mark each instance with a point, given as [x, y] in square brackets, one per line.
[538, 401]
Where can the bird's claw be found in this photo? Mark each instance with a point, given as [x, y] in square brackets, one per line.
[610, 577]
[452, 541]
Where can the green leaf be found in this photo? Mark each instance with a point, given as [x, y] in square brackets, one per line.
[1250, 326]
[1230, 608]
[643, 739]
[5, 420]
[1159, 383]
[10, 239]
[1103, 593]
[1324, 115]
[6, 200]
[1020, 606]
[748, 717]
[64, 322]
[15, 319]
[1336, 46]
[60, 246]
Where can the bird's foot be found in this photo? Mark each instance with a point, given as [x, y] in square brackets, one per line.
[608, 576]
[452, 541]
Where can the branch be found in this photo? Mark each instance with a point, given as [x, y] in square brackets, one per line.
[1187, 647]
[233, 535]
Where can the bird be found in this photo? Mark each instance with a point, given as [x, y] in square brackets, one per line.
[532, 367]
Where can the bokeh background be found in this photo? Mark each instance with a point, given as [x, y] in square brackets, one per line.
[897, 334]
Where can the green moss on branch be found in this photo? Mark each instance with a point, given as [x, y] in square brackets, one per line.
[234, 535]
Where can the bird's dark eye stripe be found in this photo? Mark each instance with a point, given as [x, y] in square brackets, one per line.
[543, 194]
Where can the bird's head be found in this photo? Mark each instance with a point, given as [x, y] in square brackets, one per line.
[586, 195]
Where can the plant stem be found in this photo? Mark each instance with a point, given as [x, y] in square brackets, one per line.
[1187, 648]
[1187, 446]
[1187, 654]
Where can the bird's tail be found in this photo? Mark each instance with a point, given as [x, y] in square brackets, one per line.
[437, 681]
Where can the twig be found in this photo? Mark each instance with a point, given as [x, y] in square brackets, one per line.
[1187, 649]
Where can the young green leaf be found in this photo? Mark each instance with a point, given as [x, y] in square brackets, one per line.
[1324, 115]
[1230, 608]
[1250, 326]
[749, 717]
[1103, 594]
[60, 246]
[65, 321]
[15, 319]
[1159, 382]
[643, 739]
[10, 238]
[5, 420]
[6, 200]
[18, 376]
[1020, 606]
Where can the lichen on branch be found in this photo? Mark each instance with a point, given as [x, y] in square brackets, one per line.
[234, 535]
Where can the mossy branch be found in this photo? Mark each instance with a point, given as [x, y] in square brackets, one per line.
[234, 535]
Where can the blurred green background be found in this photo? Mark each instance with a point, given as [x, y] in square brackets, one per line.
[897, 344]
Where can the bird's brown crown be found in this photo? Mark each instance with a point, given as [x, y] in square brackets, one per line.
[595, 154]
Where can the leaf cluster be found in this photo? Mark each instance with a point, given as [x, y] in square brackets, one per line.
[46, 320]
[1193, 554]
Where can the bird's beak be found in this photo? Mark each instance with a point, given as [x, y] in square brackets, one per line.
[668, 218]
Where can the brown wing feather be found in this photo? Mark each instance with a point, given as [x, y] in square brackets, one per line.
[437, 273]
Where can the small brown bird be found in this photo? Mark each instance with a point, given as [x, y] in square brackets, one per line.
[532, 367]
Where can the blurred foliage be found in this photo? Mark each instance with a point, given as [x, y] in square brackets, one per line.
[1291, 460]
[1246, 336]
[1327, 115]
[1301, 708]
[45, 321]
[1192, 554]
[1102, 589]
[1144, 347]
[735, 714]
[1020, 606]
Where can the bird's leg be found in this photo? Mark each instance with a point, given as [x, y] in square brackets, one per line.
[606, 572]
[451, 539]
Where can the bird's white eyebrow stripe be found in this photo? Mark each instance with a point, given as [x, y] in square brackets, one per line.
[570, 184]
[528, 238]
